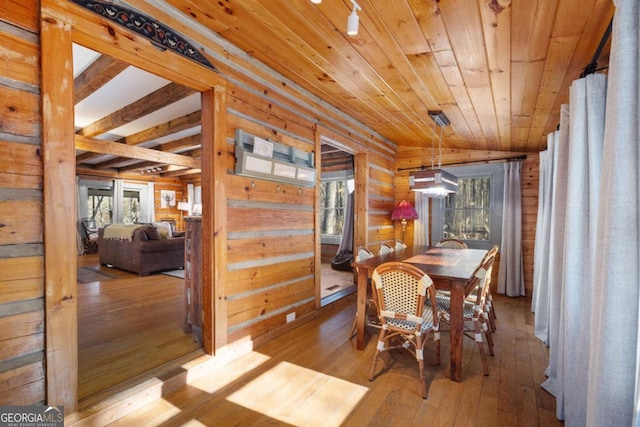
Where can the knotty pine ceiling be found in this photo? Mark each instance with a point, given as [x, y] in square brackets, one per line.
[499, 69]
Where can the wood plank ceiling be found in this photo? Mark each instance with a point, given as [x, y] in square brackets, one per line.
[499, 69]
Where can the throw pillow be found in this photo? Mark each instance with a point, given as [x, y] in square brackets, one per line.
[164, 229]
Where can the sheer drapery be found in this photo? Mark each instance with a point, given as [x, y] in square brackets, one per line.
[421, 225]
[511, 274]
[595, 311]
[612, 396]
[540, 297]
[346, 240]
[81, 208]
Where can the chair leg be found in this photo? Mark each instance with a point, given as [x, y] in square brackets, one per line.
[353, 327]
[379, 349]
[420, 359]
[487, 331]
[478, 339]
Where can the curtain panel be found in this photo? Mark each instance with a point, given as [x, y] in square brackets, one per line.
[587, 272]
[510, 272]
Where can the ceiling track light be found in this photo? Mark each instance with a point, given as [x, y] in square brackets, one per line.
[353, 20]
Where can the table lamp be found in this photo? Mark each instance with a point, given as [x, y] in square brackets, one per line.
[403, 212]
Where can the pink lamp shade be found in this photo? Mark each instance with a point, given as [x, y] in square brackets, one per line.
[404, 211]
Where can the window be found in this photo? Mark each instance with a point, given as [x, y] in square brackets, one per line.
[100, 205]
[334, 194]
[474, 213]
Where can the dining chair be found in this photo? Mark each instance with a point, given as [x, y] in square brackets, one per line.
[407, 322]
[475, 319]
[451, 244]
[386, 248]
[400, 245]
[371, 316]
[489, 306]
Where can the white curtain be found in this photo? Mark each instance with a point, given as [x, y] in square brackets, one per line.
[118, 201]
[151, 208]
[421, 225]
[612, 395]
[511, 273]
[540, 297]
[593, 282]
[81, 209]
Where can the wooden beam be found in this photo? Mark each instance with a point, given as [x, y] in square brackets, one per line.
[117, 149]
[59, 215]
[96, 75]
[160, 98]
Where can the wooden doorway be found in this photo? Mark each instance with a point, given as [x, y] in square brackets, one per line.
[62, 25]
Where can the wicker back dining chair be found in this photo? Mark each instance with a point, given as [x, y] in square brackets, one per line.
[476, 323]
[371, 317]
[386, 248]
[451, 244]
[400, 245]
[407, 322]
[489, 307]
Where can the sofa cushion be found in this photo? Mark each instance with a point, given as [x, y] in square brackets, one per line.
[164, 229]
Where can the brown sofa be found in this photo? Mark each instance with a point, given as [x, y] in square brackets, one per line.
[145, 253]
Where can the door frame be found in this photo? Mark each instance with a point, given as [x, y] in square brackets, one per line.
[64, 23]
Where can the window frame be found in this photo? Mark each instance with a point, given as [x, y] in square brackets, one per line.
[495, 172]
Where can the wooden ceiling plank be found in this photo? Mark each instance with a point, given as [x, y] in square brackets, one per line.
[96, 75]
[403, 25]
[531, 29]
[497, 35]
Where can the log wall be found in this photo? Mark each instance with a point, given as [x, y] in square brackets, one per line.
[21, 208]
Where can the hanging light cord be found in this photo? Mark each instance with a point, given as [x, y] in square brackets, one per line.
[433, 147]
[440, 153]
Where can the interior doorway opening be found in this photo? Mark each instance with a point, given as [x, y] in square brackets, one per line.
[130, 327]
[337, 181]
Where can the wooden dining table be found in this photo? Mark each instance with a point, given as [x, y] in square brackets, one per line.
[450, 269]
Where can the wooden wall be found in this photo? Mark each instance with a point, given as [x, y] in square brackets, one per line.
[271, 250]
[414, 157]
[21, 208]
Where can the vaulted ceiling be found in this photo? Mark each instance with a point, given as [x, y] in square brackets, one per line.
[499, 69]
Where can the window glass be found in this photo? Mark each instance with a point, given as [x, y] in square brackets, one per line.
[333, 202]
[100, 205]
[474, 213]
[467, 213]
[131, 207]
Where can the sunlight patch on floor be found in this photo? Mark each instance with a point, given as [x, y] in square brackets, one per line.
[300, 396]
[227, 374]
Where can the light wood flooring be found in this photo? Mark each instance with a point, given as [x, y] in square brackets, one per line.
[128, 326]
[314, 376]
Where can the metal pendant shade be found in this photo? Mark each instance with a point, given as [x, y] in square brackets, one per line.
[435, 182]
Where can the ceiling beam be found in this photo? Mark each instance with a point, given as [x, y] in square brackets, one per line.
[100, 72]
[122, 150]
[162, 97]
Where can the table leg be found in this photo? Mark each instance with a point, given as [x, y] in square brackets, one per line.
[361, 309]
[457, 324]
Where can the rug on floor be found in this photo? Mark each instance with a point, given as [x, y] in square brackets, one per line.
[175, 273]
[88, 275]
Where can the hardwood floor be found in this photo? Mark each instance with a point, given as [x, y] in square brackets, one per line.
[128, 326]
[313, 375]
[335, 281]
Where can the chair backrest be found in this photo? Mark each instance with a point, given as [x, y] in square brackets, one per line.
[451, 244]
[482, 278]
[90, 227]
[386, 248]
[363, 253]
[400, 245]
[402, 290]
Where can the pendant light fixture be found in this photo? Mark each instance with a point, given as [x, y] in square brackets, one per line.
[435, 182]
